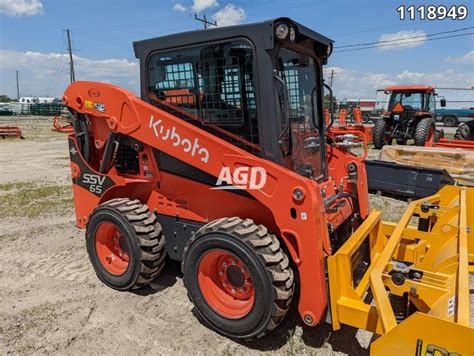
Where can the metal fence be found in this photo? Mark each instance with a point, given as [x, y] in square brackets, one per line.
[43, 109]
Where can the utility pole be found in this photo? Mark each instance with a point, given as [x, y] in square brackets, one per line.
[17, 86]
[331, 78]
[205, 21]
[71, 62]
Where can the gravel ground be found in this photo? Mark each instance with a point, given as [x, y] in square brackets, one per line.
[53, 303]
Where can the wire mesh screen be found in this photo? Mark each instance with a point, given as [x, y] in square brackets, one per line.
[221, 85]
[290, 74]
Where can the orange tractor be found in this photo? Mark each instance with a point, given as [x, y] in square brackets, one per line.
[224, 166]
[410, 115]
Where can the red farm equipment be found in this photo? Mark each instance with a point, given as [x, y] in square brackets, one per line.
[62, 124]
[10, 131]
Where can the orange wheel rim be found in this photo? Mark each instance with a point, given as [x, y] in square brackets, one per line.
[226, 284]
[110, 249]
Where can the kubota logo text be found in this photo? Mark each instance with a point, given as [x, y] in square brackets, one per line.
[242, 178]
[176, 139]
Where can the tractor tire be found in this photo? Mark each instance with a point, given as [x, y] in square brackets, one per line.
[439, 134]
[450, 121]
[465, 131]
[365, 118]
[125, 243]
[379, 138]
[238, 277]
[425, 131]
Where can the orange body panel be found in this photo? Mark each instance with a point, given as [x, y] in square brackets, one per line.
[342, 117]
[301, 224]
[327, 117]
[357, 115]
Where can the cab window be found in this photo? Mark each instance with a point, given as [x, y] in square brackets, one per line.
[210, 86]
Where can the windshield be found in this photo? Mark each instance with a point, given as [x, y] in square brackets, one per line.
[300, 73]
[410, 101]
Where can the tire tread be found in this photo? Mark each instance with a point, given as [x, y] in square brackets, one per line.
[267, 248]
[149, 235]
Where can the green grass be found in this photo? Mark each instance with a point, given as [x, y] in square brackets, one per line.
[13, 186]
[32, 200]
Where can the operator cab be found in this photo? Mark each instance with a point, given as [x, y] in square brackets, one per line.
[256, 86]
[411, 99]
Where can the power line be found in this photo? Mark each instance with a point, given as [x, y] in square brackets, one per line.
[404, 39]
[154, 22]
[404, 42]
[375, 29]
[180, 18]
[58, 65]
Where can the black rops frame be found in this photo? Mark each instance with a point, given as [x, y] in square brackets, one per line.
[261, 36]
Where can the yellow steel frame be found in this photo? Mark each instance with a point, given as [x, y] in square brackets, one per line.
[440, 296]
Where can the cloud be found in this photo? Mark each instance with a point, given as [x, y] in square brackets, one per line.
[201, 5]
[44, 74]
[179, 7]
[21, 7]
[407, 39]
[229, 15]
[354, 84]
[468, 58]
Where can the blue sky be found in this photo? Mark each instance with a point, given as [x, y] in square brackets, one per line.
[32, 40]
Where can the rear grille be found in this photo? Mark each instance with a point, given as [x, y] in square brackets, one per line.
[126, 160]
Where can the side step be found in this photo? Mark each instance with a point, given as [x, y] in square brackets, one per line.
[405, 182]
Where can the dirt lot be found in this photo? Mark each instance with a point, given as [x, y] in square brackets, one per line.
[52, 301]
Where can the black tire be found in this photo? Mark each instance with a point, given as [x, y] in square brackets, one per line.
[463, 132]
[271, 275]
[142, 239]
[423, 129]
[450, 121]
[365, 118]
[379, 138]
[439, 134]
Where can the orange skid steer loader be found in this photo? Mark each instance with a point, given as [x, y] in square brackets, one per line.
[223, 165]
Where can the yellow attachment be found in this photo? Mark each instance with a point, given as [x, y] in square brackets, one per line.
[385, 272]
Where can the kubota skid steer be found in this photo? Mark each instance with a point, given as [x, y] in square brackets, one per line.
[223, 165]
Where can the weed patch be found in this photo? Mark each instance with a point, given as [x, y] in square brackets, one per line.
[33, 200]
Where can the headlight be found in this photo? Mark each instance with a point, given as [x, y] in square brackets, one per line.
[329, 50]
[282, 31]
[396, 117]
[292, 34]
